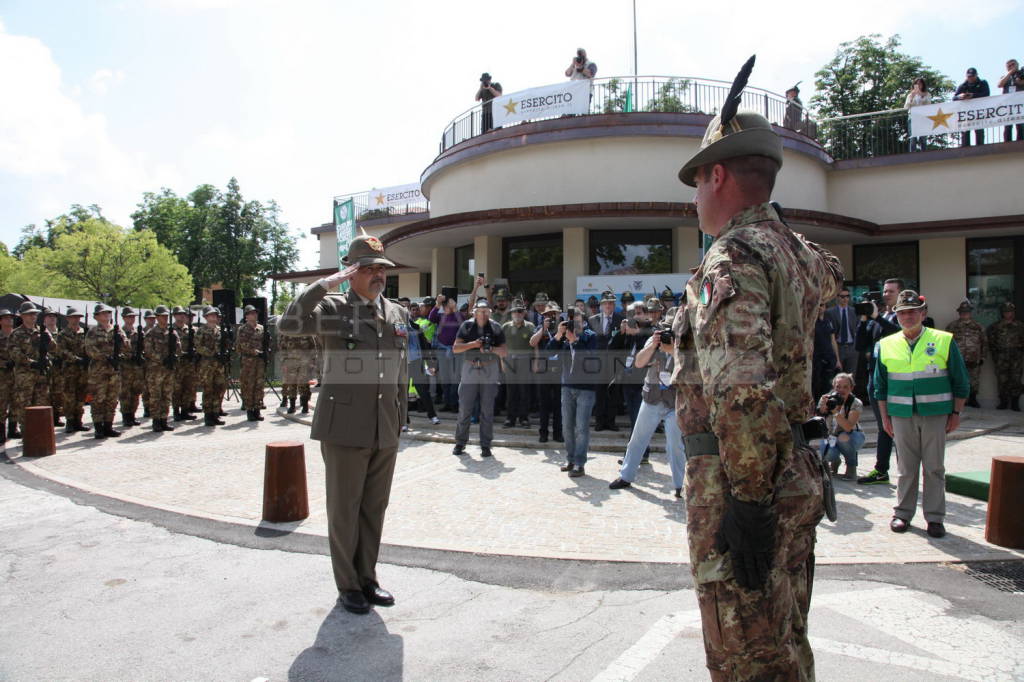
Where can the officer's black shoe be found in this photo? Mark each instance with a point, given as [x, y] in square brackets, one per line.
[79, 426]
[305, 407]
[378, 596]
[485, 452]
[354, 601]
[459, 450]
[1002, 404]
[972, 400]
[12, 429]
[1015, 404]
[100, 431]
[165, 426]
[619, 483]
[291, 405]
[109, 427]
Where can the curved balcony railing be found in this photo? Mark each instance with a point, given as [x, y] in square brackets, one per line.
[629, 94]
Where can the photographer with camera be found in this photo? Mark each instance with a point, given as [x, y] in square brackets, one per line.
[482, 342]
[581, 376]
[626, 342]
[659, 407]
[547, 372]
[581, 68]
[488, 90]
[843, 410]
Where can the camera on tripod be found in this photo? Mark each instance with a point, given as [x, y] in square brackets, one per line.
[865, 307]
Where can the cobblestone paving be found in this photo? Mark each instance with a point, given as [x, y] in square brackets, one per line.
[517, 503]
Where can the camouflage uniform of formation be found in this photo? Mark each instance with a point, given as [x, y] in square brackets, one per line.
[150, 321]
[213, 374]
[105, 373]
[970, 339]
[161, 349]
[133, 377]
[1006, 339]
[6, 377]
[184, 373]
[249, 344]
[298, 366]
[75, 372]
[753, 484]
[55, 378]
[31, 383]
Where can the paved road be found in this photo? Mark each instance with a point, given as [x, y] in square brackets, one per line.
[87, 595]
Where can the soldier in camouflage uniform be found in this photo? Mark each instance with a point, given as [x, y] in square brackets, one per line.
[1006, 339]
[161, 348]
[213, 376]
[106, 347]
[54, 378]
[149, 320]
[75, 370]
[133, 378]
[31, 368]
[298, 355]
[6, 370]
[185, 370]
[249, 344]
[753, 484]
[970, 339]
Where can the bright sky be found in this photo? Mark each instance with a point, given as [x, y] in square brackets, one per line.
[101, 100]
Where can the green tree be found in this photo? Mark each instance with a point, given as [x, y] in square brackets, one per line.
[72, 221]
[869, 75]
[101, 261]
[669, 97]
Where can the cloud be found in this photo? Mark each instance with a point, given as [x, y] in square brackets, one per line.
[103, 80]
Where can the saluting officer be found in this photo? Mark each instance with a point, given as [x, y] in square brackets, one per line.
[753, 483]
[252, 363]
[31, 364]
[133, 378]
[360, 411]
[212, 368]
[161, 349]
[105, 345]
[76, 370]
[6, 371]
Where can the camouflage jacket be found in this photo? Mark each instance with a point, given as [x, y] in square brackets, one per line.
[132, 334]
[99, 346]
[970, 339]
[208, 341]
[72, 345]
[158, 344]
[249, 340]
[5, 351]
[296, 347]
[750, 312]
[56, 356]
[1006, 335]
[24, 346]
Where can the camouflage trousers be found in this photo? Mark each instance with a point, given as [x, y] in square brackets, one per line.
[160, 382]
[755, 635]
[300, 390]
[184, 383]
[213, 381]
[57, 390]
[250, 376]
[1008, 368]
[6, 394]
[295, 375]
[76, 385]
[105, 383]
[974, 372]
[30, 389]
[145, 388]
[133, 383]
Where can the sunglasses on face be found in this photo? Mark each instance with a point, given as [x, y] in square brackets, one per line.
[844, 296]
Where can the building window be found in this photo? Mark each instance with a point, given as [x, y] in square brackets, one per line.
[630, 252]
[994, 275]
[533, 264]
[463, 280]
[875, 263]
[391, 286]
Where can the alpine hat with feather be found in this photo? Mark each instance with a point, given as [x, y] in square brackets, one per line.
[734, 133]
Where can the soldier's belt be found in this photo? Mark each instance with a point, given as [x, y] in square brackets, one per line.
[706, 443]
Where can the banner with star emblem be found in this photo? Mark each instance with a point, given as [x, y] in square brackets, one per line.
[399, 195]
[345, 227]
[967, 114]
[571, 97]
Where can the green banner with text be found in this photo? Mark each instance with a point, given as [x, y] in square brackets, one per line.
[345, 228]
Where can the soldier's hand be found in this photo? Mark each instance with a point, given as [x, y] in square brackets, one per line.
[748, 535]
[37, 364]
[337, 278]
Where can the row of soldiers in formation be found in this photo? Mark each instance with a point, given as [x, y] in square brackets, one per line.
[1004, 338]
[163, 363]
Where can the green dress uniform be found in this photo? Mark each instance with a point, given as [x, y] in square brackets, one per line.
[753, 484]
[970, 339]
[105, 375]
[252, 366]
[212, 371]
[75, 373]
[31, 369]
[359, 413]
[1006, 340]
[162, 350]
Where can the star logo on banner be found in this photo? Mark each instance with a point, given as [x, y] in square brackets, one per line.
[380, 199]
[940, 119]
[511, 106]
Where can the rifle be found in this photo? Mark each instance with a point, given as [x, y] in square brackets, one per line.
[191, 339]
[265, 354]
[115, 360]
[44, 346]
[137, 351]
[225, 352]
[172, 347]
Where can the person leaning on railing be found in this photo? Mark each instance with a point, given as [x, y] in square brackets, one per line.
[1013, 81]
[972, 88]
[917, 96]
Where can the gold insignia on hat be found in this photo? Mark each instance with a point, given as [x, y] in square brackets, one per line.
[375, 244]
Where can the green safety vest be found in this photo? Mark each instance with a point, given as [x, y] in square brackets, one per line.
[919, 379]
[428, 328]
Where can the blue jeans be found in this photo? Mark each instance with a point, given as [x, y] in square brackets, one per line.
[848, 449]
[647, 421]
[577, 404]
[449, 367]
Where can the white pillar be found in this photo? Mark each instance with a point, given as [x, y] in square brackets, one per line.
[575, 261]
[442, 268]
[685, 249]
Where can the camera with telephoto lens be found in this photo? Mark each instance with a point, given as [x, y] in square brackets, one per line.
[832, 401]
[864, 307]
[667, 336]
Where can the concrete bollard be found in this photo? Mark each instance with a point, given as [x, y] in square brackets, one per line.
[1004, 523]
[284, 482]
[38, 438]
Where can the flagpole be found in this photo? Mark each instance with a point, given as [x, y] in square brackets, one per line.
[635, 93]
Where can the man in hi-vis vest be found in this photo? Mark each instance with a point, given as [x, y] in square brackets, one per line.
[921, 384]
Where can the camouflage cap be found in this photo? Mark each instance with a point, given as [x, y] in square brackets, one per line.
[653, 303]
[747, 134]
[518, 305]
[1008, 307]
[908, 300]
[149, 314]
[965, 306]
[101, 308]
[627, 297]
[73, 312]
[366, 250]
[161, 310]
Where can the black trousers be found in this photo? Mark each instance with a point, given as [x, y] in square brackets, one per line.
[607, 406]
[884, 452]
[518, 389]
[979, 137]
[550, 394]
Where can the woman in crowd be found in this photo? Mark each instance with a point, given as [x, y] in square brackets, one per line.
[917, 96]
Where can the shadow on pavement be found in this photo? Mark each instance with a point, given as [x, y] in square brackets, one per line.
[351, 647]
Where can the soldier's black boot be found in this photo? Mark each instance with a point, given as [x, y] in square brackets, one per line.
[1015, 404]
[1002, 403]
[145, 412]
[257, 415]
[221, 413]
[70, 428]
[12, 429]
[193, 409]
[56, 419]
[972, 400]
[305, 406]
[79, 426]
[100, 430]
[164, 426]
[109, 427]
[126, 420]
[179, 415]
[291, 405]
[156, 426]
[250, 415]
[208, 419]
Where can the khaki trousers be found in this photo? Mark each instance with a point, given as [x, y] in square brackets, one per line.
[921, 445]
[358, 482]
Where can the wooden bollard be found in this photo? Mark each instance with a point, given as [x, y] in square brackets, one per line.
[1004, 523]
[284, 482]
[38, 438]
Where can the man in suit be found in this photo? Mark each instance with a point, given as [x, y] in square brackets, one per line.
[604, 324]
[844, 319]
[360, 411]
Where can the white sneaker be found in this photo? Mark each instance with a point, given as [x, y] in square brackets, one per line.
[435, 420]
[405, 428]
